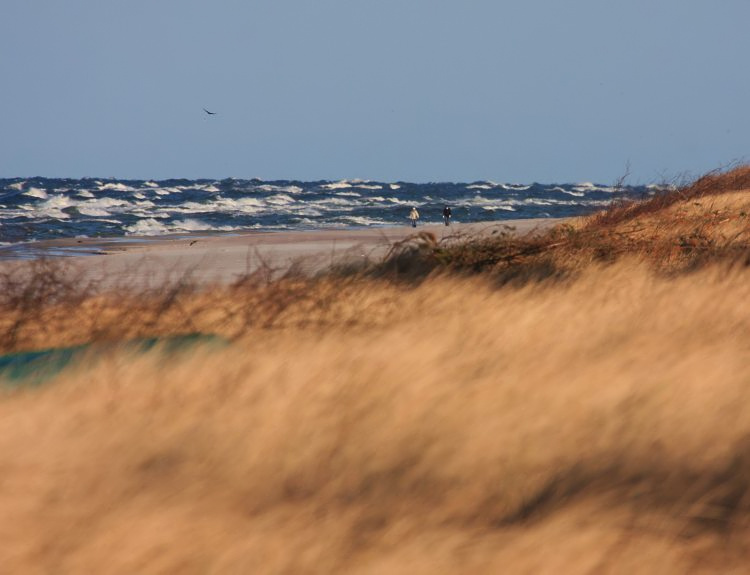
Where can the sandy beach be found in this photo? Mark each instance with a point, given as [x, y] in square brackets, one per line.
[222, 258]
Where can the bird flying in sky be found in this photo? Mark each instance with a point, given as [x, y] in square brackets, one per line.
[209, 113]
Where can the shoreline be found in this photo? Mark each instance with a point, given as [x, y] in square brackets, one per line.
[207, 258]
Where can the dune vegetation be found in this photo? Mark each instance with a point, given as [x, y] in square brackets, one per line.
[573, 401]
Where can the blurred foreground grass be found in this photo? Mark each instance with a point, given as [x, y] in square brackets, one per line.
[571, 402]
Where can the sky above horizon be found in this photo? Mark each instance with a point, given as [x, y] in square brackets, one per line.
[412, 90]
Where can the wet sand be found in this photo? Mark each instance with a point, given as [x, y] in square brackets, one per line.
[223, 258]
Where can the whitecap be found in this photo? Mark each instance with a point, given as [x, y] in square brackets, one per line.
[146, 227]
[93, 212]
[479, 187]
[394, 186]
[167, 191]
[578, 194]
[84, 194]
[337, 185]
[190, 225]
[369, 187]
[151, 184]
[496, 208]
[52, 208]
[242, 205]
[16, 186]
[280, 200]
[363, 221]
[589, 187]
[115, 187]
[284, 189]
[36, 193]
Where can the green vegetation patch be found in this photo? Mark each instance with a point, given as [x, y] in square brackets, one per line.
[35, 367]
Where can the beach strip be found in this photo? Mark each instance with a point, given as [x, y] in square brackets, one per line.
[222, 258]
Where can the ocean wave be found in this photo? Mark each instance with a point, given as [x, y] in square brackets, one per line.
[363, 221]
[42, 208]
[54, 206]
[36, 193]
[336, 185]
[591, 187]
[569, 192]
[506, 208]
[283, 189]
[115, 187]
[147, 227]
[93, 212]
[167, 191]
[280, 200]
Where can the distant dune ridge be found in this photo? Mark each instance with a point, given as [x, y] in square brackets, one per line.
[574, 400]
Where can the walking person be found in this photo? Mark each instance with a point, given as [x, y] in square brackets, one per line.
[447, 215]
[414, 216]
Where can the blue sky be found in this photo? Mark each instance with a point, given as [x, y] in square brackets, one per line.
[417, 90]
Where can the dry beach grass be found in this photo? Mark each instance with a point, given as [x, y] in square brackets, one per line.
[576, 401]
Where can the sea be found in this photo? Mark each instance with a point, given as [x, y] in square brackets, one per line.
[34, 209]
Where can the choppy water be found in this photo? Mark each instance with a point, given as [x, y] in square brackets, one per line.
[44, 208]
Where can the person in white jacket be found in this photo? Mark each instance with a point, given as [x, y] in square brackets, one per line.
[414, 216]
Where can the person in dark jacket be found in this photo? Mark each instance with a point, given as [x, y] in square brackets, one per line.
[447, 215]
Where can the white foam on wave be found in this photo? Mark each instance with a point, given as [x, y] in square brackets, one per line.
[209, 188]
[189, 225]
[479, 187]
[280, 200]
[84, 194]
[578, 194]
[349, 194]
[363, 221]
[139, 195]
[397, 201]
[36, 193]
[590, 187]
[52, 208]
[103, 206]
[167, 191]
[115, 187]
[153, 227]
[240, 205]
[514, 187]
[343, 184]
[337, 203]
[394, 186]
[282, 189]
[17, 186]
[93, 212]
[151, 184]
[147, 227]
[368, 187]
[505, 207]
